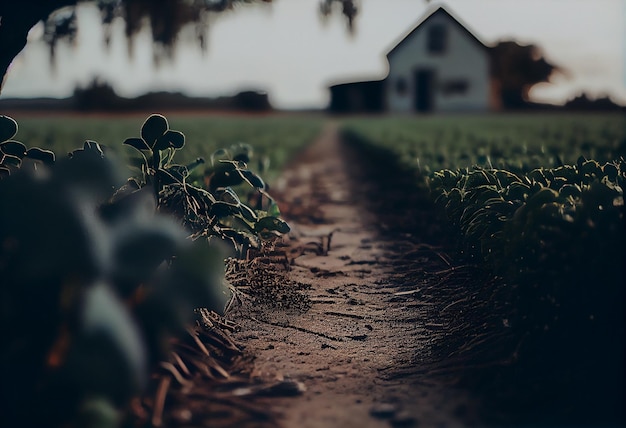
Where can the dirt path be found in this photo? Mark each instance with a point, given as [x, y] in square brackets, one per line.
[361, 346]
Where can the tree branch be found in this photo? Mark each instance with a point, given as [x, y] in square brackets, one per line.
[16, 20]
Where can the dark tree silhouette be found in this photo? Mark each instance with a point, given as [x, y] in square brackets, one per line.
[517, 68]
[166, 17]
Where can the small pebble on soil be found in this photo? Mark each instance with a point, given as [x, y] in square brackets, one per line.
[383, 410]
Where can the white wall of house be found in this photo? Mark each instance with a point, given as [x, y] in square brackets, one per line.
[460, 73]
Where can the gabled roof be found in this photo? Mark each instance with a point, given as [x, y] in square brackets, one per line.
[358, 83]
[436, 12]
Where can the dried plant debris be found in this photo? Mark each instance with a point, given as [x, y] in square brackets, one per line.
[194, 385]
[265, 280]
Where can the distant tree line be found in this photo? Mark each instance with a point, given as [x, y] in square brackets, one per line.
[100, 96]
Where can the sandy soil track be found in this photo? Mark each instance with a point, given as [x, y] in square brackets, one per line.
[361, 348]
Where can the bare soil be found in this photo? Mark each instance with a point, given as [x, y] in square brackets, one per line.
[358, 344]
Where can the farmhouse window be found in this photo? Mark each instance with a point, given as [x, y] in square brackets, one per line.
[454, 87]
[437, 39]
[401, 86]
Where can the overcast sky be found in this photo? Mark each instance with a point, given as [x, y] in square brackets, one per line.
[286, 50]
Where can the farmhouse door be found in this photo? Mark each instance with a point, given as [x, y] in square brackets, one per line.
[424, 88]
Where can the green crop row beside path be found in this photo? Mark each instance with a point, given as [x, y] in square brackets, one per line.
[508, 159]
[274, 138]
[537, 201]
[536, 198]
[515, 142]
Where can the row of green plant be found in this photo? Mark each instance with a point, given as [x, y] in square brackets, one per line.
[556, 238]
[518, 143]
[480, 202]
[205, 133]
[549, 220]
[534, 304]
[551, 230]
[98, 271]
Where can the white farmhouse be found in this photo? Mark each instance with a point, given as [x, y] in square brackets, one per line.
[438, 66]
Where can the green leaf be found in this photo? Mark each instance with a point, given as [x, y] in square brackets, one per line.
[479, 194]
[167, 178]
[478, 178]
[241, 238]
[199, 271]
[242, 152]
[500, 206]
[90, 146]
[568, 172]
[229, 196]
[219, 155]
[224, 175]
[248, 213]
[454, 200]
[271, 224]
[9, 160]
[8, 128]
[193, 165]
[133, 183]
[223, 209]
[238, 222]
[13, 148]
[557, 183]
[137, 143]
[538, 175]
[45, 156]
[153, 128]
[542, 197]
[97, 412]
[140, 250]
[173, 139]
[610, 171]
[591, 167]
[570, 190]
[506, 178]
[176, 139]
[252, 179]
[242, 157]
[273, 210]
[105, 317]
[449, 178]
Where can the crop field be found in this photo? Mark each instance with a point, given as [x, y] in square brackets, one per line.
[536, 198]
[499, 254]
[480, 170]
[521, 192]
[538, 202]
[62, 176]
[516, 142]
[275, 139]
